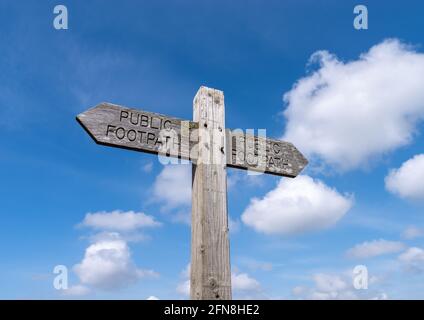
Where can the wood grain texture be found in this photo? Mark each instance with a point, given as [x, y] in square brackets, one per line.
[118, 126]
[210, 252]
[263, 154]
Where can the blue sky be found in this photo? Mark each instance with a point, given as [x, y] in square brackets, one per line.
[154, 56]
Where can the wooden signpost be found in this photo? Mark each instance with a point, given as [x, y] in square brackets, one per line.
[117, 126]
[211, 147]
[262, 154]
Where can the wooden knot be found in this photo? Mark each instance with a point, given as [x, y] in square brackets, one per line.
[212, 283]
[216, 293]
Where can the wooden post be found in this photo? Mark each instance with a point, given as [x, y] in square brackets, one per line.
[210, 252]
[122, 127]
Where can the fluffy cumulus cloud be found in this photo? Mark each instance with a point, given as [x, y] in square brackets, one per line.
[408, 181]
[375, 248]
[244, 282]
[327, 287]
[183, 288]
[413, 259]
[119, 220]
[172, 190]
[329, 283]
[107, 265]
[295, 206]
[347, 113]
[173, 185]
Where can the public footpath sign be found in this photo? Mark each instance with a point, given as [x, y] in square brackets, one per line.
[211, 147]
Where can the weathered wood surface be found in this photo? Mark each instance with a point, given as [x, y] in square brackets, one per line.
[211, 148]
[210, 253]
[118, 126]
[122, 127]
[246, 151]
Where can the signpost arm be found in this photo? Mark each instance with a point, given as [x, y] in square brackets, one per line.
[210, 252]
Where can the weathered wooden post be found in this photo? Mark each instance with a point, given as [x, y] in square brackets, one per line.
[215, 149]
[210, 252]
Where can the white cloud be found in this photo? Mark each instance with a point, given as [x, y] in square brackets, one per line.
[173, 186]
[347, 113]
[295, 206]
[107, 265]
[413, 259]
[152, 298]
[77, 290]
[412, 232]
[375, 248]
[335, 287]
[327, 287]
[243, 282]
[329, 283]
[408, 181]
[183, 288]
[119, 220]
